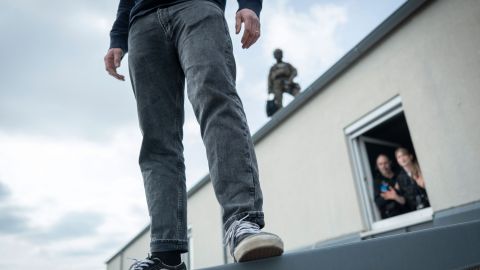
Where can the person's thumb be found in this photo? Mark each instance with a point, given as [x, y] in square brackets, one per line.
[238, 23]
[117, 57]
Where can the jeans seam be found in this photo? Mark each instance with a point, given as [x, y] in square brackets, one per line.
[179, 190]
[174, 241]
[162, 23]
[248, 153]
[178, 109]
[169, 245]
[228, 52]
[228, 48]
[179, 214]
[249, 156]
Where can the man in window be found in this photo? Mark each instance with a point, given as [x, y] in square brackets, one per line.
[387, 197]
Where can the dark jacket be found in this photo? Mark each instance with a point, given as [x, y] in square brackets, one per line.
[415, 196]
[387, 208]
[129, 10]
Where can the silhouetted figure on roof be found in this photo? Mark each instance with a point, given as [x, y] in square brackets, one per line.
[280, 80]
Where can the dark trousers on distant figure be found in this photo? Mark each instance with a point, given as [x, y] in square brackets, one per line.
[190, 41]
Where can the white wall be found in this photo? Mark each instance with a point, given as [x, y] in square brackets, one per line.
[138, 250]
[114, 264]
[442, 97]
[433, 63]
[204, 217]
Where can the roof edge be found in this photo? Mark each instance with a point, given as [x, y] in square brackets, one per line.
[190, 192]
[129, 243]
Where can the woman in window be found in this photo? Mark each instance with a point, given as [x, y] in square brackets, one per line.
[410, 180]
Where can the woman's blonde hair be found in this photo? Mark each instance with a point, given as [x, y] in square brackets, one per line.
[416, 168]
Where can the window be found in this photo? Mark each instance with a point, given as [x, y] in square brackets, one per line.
[393, 193]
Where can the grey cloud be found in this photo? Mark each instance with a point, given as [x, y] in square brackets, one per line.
[4, 192]
[106, 246]
[12, 220]
[79, 252]
[52, 77]
[70, 226]
[16, 220]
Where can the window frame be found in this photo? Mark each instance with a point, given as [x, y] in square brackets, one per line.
[357, 153]
[188, 257]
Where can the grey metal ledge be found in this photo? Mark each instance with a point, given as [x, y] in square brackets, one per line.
[450, 247]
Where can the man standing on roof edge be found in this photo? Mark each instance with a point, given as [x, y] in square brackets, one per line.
[169, 41]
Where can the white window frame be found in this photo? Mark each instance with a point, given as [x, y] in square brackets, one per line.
[353, 133]
[188, 257]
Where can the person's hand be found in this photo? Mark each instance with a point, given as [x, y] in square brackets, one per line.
[390, 194]
[251, 31]
[112, 62]
[420, 181]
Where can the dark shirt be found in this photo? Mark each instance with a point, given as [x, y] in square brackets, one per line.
[387, 208]
[415, 196]
[129, 10]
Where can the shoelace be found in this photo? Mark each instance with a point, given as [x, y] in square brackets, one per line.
[237, 229]
[140, 264]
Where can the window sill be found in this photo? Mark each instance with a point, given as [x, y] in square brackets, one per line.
[398, 222]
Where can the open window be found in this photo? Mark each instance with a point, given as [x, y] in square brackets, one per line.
[374, 139]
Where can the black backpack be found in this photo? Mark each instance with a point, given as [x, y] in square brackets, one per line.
[271, 107]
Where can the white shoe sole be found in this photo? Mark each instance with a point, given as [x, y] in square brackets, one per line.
[259, 246]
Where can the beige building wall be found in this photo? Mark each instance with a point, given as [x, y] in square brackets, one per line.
[205, 227]
[204, 219]
[115, 264]
[441, 91]
[137, 250]
[433, 63]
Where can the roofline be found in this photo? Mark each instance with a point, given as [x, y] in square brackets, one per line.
[129, 243]
[198, 185]
[190, 192]
[347, 61]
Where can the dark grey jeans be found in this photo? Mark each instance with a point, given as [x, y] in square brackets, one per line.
[190, 40]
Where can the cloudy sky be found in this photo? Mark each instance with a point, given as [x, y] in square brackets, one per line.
[71, 193]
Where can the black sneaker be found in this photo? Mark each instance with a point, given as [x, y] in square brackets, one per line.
[247, 242]
[150, 263]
